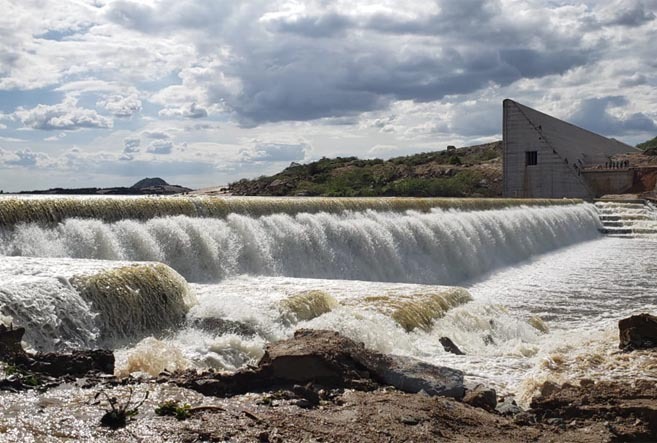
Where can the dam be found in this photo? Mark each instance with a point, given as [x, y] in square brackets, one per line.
[512, 282]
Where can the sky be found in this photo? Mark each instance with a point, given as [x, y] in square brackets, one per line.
[205, 92]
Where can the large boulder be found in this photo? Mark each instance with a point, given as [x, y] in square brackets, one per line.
[638, 332]
[327, 357]
[331, 360]
[410, 375]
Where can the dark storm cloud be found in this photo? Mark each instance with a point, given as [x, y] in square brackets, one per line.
[326, 25]
[458, 17]
[532, 64]
[593, 114]
[168, 16]
[326, 83]
[325, 63]
[634, 16]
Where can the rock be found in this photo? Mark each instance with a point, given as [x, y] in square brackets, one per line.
[410, 375]
[330, 360]
[322, 357]
[307, 394]
[277, 183]
[77, 363]
[638, 332]
[10, 342]
[508, 406]
[556, 421]
[481, 397]
[412, 421]
[449, 346]
[548, 388]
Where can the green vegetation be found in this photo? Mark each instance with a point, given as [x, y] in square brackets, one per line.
[466, 172]
[26, 377]
[649, 147]
[174, 409]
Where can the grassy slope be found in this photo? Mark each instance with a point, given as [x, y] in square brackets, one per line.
[473, 172]
[650, 145]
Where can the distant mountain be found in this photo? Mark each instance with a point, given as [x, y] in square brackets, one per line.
[474, 171]
[147, 182]
[146, 186]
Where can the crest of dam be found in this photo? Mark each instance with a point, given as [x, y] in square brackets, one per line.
[52, 210]
[416, 245]
[103, 307]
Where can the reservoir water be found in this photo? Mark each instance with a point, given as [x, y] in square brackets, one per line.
[530, 291]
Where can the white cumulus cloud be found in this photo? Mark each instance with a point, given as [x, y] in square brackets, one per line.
[63, 116]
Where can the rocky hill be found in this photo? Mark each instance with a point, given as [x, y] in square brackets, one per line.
[148, 182]
[146, 186]
[649, 147]
[474, 171]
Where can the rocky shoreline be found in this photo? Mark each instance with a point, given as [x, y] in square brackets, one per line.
[315, 386]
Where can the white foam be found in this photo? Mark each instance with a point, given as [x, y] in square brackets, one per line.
[439, 247]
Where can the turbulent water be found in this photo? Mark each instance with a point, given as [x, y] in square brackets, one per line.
[439, 246]
[516, 287]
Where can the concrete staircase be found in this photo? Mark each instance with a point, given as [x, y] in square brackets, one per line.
[627, 218]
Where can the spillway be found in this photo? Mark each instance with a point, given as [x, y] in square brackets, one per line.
[424, 244]
[54, 209]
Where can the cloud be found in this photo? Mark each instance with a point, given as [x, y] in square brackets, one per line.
[55, 137]
[121, 106]
[316, 62]
[633, 16]
[532, 63]
[275, 152]
[25, 158]
[593, 114]
[156, 135]
[315, 26]
[130, 148]
[160, 147]
[191, 110]
[105, 163]
[62, 116]
[634, 80]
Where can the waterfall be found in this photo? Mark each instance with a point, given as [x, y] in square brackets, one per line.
[66, 303]
[434, 245]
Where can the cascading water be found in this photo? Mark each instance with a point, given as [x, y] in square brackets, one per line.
[440, 246]
[66, 303]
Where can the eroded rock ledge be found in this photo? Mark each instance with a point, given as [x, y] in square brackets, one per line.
[330, 360]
